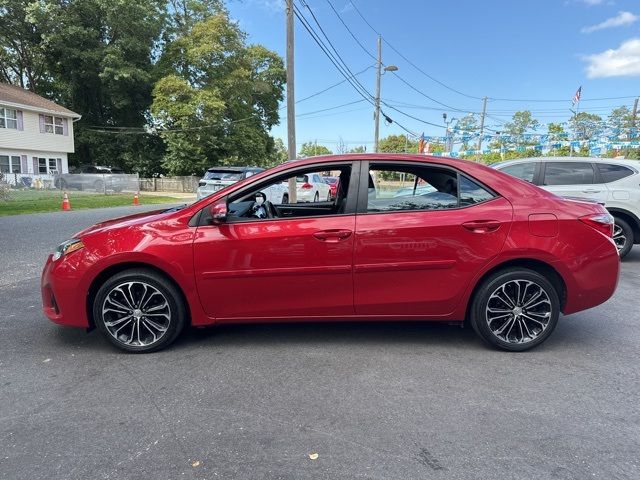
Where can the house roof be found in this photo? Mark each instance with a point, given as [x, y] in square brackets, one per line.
[15, 95]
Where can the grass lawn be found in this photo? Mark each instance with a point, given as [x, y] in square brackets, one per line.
[38, 201]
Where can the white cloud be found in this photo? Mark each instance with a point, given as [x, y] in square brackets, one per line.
[593, 2]
[623, 19]
[621, 62]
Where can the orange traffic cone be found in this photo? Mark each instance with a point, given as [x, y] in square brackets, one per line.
[65, 202]
[136, 200]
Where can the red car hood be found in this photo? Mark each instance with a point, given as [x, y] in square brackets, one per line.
[135, 219]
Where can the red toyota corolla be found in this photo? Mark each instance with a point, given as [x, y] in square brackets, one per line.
[477, 246]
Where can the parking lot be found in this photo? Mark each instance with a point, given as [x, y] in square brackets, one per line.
[380, 401]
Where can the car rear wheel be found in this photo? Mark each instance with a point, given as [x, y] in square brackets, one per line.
[329, 196]
[622, 236]
[316, 197]
[139, 310]
[515, 309]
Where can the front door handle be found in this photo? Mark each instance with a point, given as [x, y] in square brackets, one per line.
[333, 235]
[482, 226]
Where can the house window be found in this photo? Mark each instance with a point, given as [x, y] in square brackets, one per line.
[42, 165]
[53, 125]
[10, 164]
[8, 118]
[53, 166]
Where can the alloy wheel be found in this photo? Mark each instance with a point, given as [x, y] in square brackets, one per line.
[619, 237]
[518, 311]
[136, 314]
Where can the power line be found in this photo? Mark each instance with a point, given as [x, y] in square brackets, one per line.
[465, 94]
[364, 49]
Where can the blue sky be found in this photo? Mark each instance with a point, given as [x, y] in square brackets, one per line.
[529, 50]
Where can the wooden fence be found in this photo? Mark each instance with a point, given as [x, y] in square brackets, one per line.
[170, 184]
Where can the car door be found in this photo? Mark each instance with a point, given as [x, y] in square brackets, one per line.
[415, 255]
[294, 266]
[573, 179]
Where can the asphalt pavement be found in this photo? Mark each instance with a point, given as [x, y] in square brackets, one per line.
[374, 401]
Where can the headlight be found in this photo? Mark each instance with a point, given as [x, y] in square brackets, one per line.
[67, 247]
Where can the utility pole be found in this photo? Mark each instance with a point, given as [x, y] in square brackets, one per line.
[484, 113]
[376, 114]
[291, 103]
[634, 115]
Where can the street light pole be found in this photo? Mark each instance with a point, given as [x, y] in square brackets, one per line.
[376, 114]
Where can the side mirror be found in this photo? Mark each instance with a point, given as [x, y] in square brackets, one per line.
[218, 211]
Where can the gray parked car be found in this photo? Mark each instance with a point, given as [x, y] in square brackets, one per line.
[216, 178]
[92, 177]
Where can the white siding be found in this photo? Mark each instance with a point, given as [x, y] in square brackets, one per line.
[31, 139]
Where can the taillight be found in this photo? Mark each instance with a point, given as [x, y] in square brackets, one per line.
[306, 186]
[603, 222]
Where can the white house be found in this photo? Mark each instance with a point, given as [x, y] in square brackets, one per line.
[36, 135]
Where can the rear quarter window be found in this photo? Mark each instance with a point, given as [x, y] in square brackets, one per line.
[610, 172]
[525, 171]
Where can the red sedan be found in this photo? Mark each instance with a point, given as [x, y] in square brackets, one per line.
[479, 246]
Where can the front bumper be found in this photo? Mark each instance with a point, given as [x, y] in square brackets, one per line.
[64, 299]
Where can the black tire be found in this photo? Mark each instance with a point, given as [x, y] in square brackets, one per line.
[509, 279]
[177, 312]
[625, 231]
[328, 196]
[62, 184]
[285, 199]
[98, 186]
[316, 198]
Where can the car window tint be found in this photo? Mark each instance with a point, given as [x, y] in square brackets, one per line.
[524, 171]
[472, 193]
[398, 188]
[223, 175]
[568, 173]
[611, 173]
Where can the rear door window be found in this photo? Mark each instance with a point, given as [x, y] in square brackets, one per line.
[568, 173]
[610, 172]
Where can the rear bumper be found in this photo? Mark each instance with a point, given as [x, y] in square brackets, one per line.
[63, 301]
[592, 279]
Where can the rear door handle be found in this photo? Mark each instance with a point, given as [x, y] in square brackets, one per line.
[482, 226]
[591, 191]
[333, 235]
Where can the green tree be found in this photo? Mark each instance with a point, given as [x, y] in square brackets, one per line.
[522, 122]
[312, 149]
[585, 125]
[398, 144]
[358, 149]
[22, 53]
[557, 133]
[466, 126]
[100, 55]
[620, 118]
[218, 97]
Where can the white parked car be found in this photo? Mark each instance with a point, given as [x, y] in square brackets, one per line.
[614, 183]
[312, 188]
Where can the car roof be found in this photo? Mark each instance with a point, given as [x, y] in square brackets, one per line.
[231, 169]
[616, 161]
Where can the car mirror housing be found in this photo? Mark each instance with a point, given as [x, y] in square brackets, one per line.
[218, 211]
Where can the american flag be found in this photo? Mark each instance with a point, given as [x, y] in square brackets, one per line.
[577, 96]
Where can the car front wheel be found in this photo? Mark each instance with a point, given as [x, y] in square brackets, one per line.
[139, 310]
[515, 309]
[622, 236]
